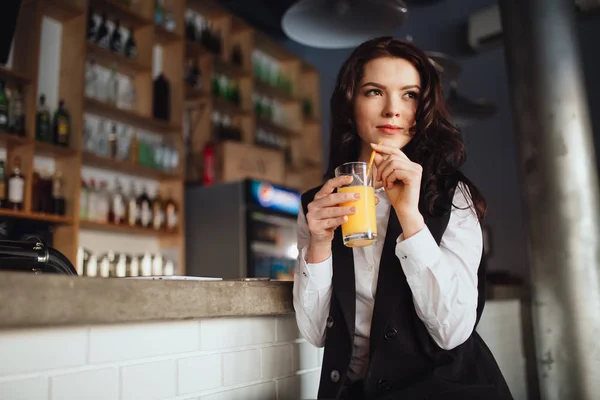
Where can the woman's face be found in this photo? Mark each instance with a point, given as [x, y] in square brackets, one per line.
[385, 102]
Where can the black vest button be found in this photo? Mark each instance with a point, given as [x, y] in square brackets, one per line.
[383, 385]
[329, 321]
[335, 376]
[390, 334]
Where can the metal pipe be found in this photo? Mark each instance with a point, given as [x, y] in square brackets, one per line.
[559, 178]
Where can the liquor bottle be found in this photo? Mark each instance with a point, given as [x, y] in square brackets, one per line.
[91, 207]
[133, 213]
[102, 34]
[58, 196]
[91, 25]
[91, 79]
[145, 209]
[171, 214]
[115, 43]
[2, 186]
[62, 125]
[112, 142]
[130, 46]
[4, 108]
[128, 96]
[169, 20]
[158, 214]
[208, 173]
[16, 186]
[43, 128]
[159, 12]
[103, 202]
[112, 87]
[17, 114]
[190, 26]
[117, 213]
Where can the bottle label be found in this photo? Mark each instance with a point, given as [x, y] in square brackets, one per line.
[15, 189]
[158, 218]
[63, 126]
[146, 216]
[133, 214]
[171, 217]
[118, 210]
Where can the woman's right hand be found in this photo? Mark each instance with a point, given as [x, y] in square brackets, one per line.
[325, 214]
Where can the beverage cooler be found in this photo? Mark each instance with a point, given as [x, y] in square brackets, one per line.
[245, 229]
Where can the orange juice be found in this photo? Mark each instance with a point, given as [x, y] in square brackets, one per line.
[361, 228]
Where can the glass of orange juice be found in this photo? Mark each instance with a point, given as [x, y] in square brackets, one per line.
[361, 228]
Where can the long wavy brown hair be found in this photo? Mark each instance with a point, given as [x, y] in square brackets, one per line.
[436, 144]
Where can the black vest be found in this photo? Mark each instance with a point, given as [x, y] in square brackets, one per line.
[405, 363]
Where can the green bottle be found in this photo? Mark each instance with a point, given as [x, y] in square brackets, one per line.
[62, 125]
[4, 107]
[43, 128]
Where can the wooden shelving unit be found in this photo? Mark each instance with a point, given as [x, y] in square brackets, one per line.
[106, 227]
[129, 117]
[302, 132]
[108, 59]
[75, 52]
[126, 167]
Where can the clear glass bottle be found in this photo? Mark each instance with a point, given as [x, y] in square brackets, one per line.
[145, 209]
[112, 87]
[17, 113]
[158, 213]
[117, 214]
[43, 122]
[91, 79]
[133, 212]
[16, 186]
[128, 96]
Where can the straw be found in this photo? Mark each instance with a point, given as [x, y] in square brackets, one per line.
[371, 162]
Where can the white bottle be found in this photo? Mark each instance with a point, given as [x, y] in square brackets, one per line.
[121, 267]
[146, 265]
[157, 265]
[91, 79]
[91, 269]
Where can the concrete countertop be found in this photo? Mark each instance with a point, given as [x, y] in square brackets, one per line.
[28, 300]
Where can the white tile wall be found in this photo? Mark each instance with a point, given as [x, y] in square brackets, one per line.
[132, 341]
[241, 367]
[23, 351]
[226, 358]
[198, 374]
[276, 361]
[149, 381]
[219, 333]
[263, 391]
[223, 358]
[99, 384]
[25, 389]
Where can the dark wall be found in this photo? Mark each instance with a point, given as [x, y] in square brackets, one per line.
[492, 158]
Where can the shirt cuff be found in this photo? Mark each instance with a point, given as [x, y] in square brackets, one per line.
[417, 252]
[317, 276]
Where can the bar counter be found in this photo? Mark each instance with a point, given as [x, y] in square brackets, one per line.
[28, 300]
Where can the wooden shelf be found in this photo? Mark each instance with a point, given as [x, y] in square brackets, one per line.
[275, 128]
[33, 216]
[129, 117]
[274, 92]
[194, 49]
[10, 139]
[108, 59]
[311, 120]
[48, 149]
[126, 15]
[196, 97]
[230, 70]
[10, 75]
[229, 108]
[166, 37]
[61, 10]
[107, 227]
[126, 167]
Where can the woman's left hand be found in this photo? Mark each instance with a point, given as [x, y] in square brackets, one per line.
[400, 177]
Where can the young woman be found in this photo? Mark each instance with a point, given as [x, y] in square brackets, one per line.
[397, 318]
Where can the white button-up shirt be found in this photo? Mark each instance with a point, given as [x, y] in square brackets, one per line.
[443, 280]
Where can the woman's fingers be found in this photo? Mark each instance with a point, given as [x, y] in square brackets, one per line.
[333, 212]
[331, 185]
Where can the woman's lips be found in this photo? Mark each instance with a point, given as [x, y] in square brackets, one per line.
[389, 129]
